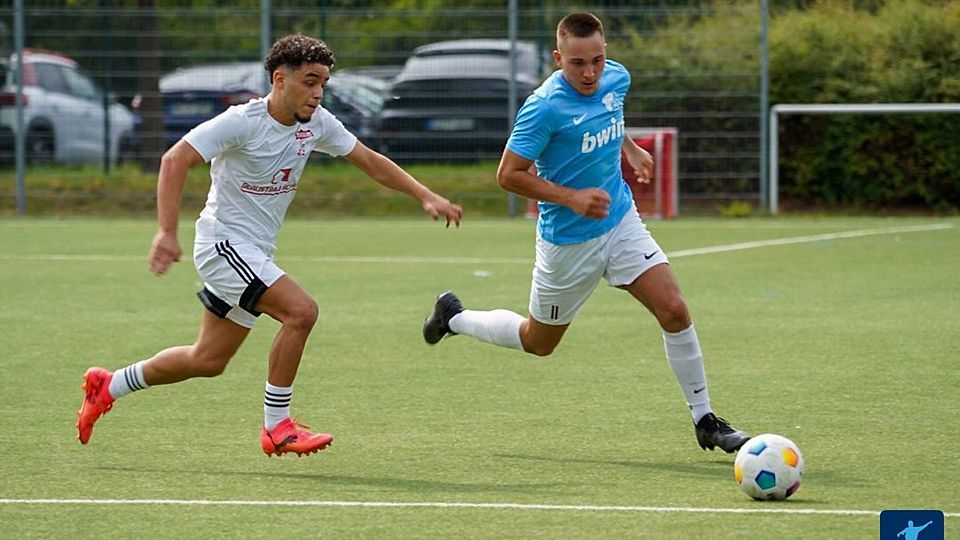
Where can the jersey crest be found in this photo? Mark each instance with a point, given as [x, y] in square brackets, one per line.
[302, 136]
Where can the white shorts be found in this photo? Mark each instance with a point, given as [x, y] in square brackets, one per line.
[235, 276]
[564, 276]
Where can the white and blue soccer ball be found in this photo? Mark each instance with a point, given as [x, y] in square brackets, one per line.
[769, 467]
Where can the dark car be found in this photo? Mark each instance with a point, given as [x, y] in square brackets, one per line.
[376, 77]
[451, 100]
[357, 100]
[194, 94]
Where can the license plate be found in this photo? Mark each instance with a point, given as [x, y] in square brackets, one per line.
[192, 109]
[451, 124]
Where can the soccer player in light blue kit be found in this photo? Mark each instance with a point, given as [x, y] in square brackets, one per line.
[572, 130]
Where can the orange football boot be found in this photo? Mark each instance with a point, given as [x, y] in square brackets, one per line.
[290, 436]
[97, 401]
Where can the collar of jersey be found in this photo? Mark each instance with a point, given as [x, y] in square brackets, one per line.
[297, 124]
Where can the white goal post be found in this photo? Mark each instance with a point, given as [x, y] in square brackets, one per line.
[837, 108]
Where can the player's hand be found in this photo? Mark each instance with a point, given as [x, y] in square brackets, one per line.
[437, 207]
[164, 251]
[591, 202]
[642, 164]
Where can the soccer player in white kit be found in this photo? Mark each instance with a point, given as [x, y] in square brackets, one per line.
[258, 152]
[572, 129]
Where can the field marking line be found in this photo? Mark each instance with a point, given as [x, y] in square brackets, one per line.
[451, 505]
[807, 239]
[723, 248]
[71, 258]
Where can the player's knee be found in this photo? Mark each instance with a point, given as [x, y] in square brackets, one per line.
[209, 364]
[673, 314]
[211, 369]
[540, 349]
[303, 316]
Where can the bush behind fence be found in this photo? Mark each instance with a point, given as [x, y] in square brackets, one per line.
[695, 67]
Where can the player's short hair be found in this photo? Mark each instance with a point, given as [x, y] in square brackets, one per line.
[296, 50]
[579, 25]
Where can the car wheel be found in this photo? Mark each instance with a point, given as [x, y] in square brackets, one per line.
[40, 146]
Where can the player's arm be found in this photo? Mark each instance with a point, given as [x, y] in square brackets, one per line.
[514, 175]
[639, 159]
[165, 249]
[382, 169]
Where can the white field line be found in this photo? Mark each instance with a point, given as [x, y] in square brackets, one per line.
[504, 260]
[443, 505]
[812, 238]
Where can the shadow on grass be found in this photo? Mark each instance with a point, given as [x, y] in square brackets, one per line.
[717, 468]
[404, 484]
[712, 469]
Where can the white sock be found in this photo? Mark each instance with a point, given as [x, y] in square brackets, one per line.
[128, 379]
[686, 361]
[500, 326]
[276, 404]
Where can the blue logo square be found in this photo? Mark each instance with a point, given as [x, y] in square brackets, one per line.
[911, 525]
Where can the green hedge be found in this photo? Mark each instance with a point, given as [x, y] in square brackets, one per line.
[902, 52]
[825, 52]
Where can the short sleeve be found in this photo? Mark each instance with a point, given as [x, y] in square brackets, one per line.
[625, 85]
[532, 130]
[221, 133]
[335, 139]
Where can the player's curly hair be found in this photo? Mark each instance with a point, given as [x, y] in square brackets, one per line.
[296, 50]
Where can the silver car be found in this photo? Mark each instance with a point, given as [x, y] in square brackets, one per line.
[63, 112]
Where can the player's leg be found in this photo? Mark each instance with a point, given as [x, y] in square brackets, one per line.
[500, 327]
[217, 342]
[297, 313]
[564, 276]
[641, 268]
[657, 289]
[539, 338]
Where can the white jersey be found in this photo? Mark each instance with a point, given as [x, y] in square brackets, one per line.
[257, 164]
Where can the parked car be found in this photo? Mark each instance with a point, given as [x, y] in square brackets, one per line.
[194, 94]
[63, 112]
[376, 77]
[451, 99]
[357, 100]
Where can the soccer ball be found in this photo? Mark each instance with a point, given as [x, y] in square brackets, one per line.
[769, 467]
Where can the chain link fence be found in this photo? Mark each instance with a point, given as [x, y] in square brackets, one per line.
[108, 83]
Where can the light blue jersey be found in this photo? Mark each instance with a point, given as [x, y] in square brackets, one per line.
[575, 142]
